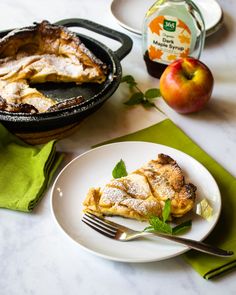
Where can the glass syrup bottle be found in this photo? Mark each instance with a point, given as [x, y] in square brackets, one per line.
[172, 29]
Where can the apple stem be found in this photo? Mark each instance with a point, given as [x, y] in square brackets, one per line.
[188, 76]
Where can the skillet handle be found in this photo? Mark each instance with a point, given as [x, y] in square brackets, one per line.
[126, 42]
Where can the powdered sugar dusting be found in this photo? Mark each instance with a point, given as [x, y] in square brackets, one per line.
[161, 188]
[137, 186]
[140, 206]
[112, 195]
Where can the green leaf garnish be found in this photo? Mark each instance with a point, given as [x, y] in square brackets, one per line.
[182, 227]
[152, 93]
[148, 104]
[119, 170]
[129, 80]
[139, 97]
[135, 98]
[161, 225]
[166, 210]
[158, 225]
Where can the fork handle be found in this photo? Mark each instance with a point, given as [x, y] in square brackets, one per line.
[200, 246]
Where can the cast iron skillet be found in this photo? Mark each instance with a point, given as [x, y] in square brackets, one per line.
[95, 94]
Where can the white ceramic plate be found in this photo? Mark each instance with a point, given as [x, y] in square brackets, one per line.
[130, 14]
[94, 168]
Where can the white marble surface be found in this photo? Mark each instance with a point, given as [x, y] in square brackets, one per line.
[36, 258]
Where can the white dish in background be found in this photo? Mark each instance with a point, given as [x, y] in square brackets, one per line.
[94, 168]
[130, 14]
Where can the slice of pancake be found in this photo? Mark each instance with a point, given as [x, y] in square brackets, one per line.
[17, 95]
[143, 193]
[45, 53]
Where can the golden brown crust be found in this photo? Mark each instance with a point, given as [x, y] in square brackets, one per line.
[47, 38]
[20, 98]
[167, 182]
[167, 167]
[65, 104]
[17, 108]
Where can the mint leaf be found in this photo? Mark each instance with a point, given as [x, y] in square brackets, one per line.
[129, 80]
[152, 93]
[158, 225]
[166, 210]
[119, 170]
[182, 227]
[148, 104]
[135, 98]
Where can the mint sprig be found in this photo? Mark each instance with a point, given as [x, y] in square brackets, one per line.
[156, 224]
[146, 98]
[119, 170]
[161, 225]
[129, 80]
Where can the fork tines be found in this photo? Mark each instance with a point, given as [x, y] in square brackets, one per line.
[99, 225]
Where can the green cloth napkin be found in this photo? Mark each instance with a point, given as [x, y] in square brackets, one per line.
[224, 234]
[25, 171]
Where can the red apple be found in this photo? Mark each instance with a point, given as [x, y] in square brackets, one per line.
[186, 85]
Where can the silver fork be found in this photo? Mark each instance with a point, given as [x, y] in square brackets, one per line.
[119, 232]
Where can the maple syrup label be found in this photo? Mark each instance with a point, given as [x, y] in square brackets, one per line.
[168, 39]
